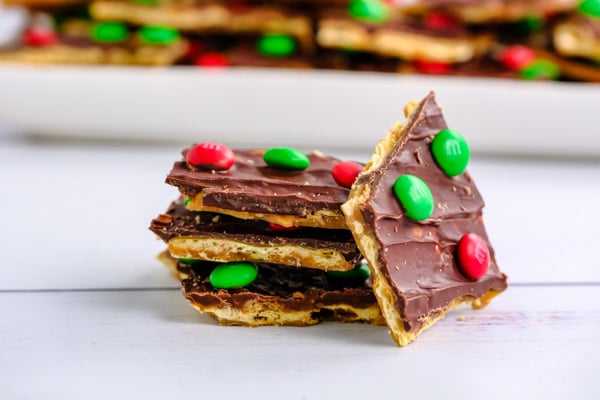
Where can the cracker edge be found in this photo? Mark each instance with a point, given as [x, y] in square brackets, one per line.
[227, 250]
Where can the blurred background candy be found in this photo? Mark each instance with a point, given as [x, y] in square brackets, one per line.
[521, 39]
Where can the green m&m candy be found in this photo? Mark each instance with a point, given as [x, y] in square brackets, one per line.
[451, 152]
[532, 23]
[590, 8]
[415, 196]
[233, 275]
[276, 45]
[193, 261]
[286, 158]
[355, 276]
[109, 32]
[541, 69]
[526, 26]
[158, 35]
[375, 11]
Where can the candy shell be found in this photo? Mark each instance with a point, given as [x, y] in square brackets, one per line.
[276, 45]
[521, 30]
[109, 32]
[39, 37]
[286, 158]
[590, 8]
[517, 57]
[277, 227]
[191, 261]
[451, 152]
[541, 69]
[374, 11]
[212, 59]
[415, 196]
[355, 276]
[158, 35]
[345, 172]
[209, 155]
[473, 256]
[439, 21]
[432, 67]
[233, 275]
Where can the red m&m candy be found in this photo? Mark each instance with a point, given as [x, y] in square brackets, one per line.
[209, 155]
[473, 256]
[39, 37]
[517, 57]
[439, 21]
[345, 172]
[432, 67]
[212, 59]
[277, 227]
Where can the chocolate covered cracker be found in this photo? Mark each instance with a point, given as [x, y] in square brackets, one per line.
[417, 218]
[488, 11]
[79, 41]
[68, 52]
[578, 36]
[219, 237]
[394, 37]
[210, 17]
[280, 295]
[251, 189]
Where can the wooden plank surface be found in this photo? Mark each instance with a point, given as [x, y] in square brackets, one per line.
[532, 342]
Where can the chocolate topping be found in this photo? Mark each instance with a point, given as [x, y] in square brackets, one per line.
[398, 24]
[295, 288]
[417, 257]
[178, 221]
[246, 54]
[458, 3]
[252, 186]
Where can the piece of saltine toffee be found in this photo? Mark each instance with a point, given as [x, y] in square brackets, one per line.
[417, 277]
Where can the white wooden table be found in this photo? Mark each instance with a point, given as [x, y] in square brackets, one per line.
[86, 312]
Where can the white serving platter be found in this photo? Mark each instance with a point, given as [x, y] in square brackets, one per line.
[315, 109]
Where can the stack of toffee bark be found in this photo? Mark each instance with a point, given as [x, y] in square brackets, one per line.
[278, 228]
[278, 237]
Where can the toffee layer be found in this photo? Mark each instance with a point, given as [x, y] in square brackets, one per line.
[180, 222]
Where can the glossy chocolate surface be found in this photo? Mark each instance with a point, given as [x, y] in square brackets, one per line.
[252, 186]
[417, 257]
[293, 288]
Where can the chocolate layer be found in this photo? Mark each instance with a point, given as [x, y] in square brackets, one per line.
[454, 3]
[252, 186]
[417, 257]
[246, 54]
[178, 221]
[294, 288]
[398, 25]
